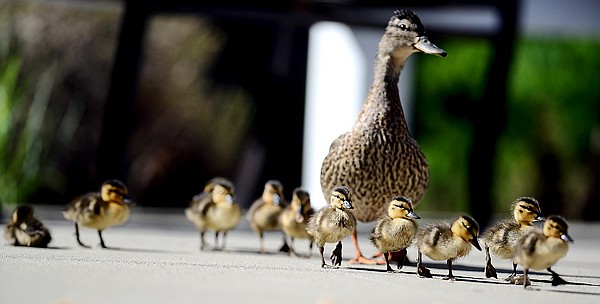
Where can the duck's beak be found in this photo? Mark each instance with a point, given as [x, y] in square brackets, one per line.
[276, 199]
[348, 205]
[229, 198]
[475, 243]
[567, 238]
[425, 46]
[539, 218]
[413, 215]
[127, 199]
[299, 216]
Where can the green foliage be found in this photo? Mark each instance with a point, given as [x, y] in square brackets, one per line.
[21, 143]
[552, 108]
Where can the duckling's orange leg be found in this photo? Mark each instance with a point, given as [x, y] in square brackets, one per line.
[359, 258]
[77, 236]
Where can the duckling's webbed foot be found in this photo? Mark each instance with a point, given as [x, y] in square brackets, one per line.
[422, 271]
[556, 279]
[284, 247]
[490, 271]
[336, 255]
[399, 257]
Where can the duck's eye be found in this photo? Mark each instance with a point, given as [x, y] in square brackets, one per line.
[520, 211]
[402, 26]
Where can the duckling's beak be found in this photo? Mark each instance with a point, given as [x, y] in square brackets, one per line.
[229, 198]
[425, 46]
[348, 205]
[540, 218]
[276, 199]
[299, 216]
[567, 238]
[413, 215]
[475, 243]
[127, 199]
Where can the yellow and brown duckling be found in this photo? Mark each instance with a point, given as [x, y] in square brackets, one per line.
[501, 238]
[26, 230]
[541, 249]
[395, 232]
[379, 156]
[264, 213]
[294, 217]
[214, 209]
[100, 210]
[443, 241]
[331, 224]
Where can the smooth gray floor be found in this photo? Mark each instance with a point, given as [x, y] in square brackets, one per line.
[155, 259]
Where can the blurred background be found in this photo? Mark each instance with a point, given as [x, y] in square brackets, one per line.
[168, 94]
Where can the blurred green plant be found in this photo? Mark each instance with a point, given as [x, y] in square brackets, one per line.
[553, 106]
[21, 140]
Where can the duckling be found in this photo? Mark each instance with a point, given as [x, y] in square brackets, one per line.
[294, 217]
[502, 237]
[100, 210]
[379, 156]
[443, 241]
[395, 232]
[26, 230]
[541, 249]
[214, 209]
[264, 213]
[332, 224]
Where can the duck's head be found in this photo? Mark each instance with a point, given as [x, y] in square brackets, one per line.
[273, 192]
[468, 229]
[300, 203]
[340, 198]
[222, 192]
[401, 207]
[210, 185]
[527, 210]
[22, 213]
[115, 191]
[556, 226]
[405, 35]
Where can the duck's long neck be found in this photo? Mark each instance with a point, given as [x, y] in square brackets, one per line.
[382, 107]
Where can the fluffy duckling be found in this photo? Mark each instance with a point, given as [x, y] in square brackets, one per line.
[264, 213]
[332, 224]
[501, 238]
[26, 230]
[100, 210]
[541, 249]
[396, 231]
[294, 217]
[443, 241]
[214, 209]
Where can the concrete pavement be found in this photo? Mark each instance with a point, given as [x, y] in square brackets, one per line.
[155, 259]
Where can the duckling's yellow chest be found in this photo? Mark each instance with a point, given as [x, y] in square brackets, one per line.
[223, 216]
[113, 214]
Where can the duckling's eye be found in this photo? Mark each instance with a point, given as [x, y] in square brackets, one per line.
[520, 211]
[402, 26]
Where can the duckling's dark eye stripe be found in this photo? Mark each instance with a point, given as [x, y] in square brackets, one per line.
[529, 208]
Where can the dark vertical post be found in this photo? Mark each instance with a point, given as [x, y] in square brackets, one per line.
[490, 116]
[119, 108]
